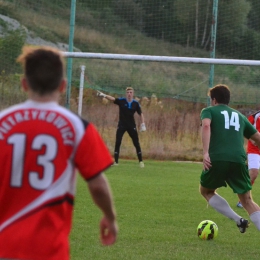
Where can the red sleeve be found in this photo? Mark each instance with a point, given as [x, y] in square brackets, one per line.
[251, 119]
[258, 124]
[251, 148]
[92, 155]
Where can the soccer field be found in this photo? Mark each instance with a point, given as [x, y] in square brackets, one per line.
[159, 208]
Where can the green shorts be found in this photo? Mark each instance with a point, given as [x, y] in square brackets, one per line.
[221, 173]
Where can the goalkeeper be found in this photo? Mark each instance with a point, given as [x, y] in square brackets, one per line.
[127, 108]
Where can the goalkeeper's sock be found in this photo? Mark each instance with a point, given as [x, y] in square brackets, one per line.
[222, 206]
[139, 155]
[255, 218]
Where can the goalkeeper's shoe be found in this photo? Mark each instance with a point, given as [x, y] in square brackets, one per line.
[244, 224]
[141, 164]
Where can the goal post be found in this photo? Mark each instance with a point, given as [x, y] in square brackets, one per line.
[129, 57]
[81, 87]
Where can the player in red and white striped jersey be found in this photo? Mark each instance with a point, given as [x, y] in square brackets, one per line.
[42, 145]
[253, 152]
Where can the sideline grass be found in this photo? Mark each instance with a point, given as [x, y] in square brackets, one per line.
[159, 208]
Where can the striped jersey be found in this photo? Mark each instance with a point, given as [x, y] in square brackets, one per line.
[42, 146]
[254, 119]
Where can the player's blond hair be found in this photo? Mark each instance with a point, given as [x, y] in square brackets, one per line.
[43, 68]
[129, 88]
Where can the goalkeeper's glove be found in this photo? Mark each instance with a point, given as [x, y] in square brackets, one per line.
[100, 94]
[142, 127]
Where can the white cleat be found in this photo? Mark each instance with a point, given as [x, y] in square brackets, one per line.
[239, 205]
[141, 164]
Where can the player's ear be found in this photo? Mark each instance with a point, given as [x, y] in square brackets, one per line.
[62, 86]
[213, 101]
[24, 84]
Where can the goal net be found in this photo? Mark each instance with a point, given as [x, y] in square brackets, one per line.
[171, 93]
[183, 78]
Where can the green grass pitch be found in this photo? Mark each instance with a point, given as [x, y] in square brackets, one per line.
[159, 208]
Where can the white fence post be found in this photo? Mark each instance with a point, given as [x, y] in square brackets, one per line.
[81, 87]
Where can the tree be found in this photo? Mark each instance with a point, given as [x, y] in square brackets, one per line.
[206, 30]
[254, 15]
[231, 26]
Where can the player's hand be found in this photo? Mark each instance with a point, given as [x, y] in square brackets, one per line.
[253, 142]
[142, 127]
[206, 162]
[108, 231]
[101, 94]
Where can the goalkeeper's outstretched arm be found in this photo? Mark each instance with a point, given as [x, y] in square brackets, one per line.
[101, 94]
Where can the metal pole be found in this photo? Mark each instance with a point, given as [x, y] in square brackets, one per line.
[69, 63]
[213, 43]
[81, 87]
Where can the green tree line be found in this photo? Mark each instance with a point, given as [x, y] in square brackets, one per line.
[189, 22]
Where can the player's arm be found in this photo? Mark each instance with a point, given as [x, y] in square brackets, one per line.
[101, 194]
[142, 118]
[205, 136]
[142, 126]
[256, 139]
[101, 94]
[252, 141]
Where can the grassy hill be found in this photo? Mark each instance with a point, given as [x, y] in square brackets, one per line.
[95, 31]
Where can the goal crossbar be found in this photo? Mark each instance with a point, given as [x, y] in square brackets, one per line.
[89, 55]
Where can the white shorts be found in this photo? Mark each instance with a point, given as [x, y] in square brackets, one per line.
[253, 161]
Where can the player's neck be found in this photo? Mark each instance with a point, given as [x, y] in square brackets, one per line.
[53, 97]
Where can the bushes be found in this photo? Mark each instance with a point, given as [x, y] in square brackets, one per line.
[10, 90]
[10, 48]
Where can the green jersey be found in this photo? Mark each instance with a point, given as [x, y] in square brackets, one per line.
[228, 129]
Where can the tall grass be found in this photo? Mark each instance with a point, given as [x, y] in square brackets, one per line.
[171, 133]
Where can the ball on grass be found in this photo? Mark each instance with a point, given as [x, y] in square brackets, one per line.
[207, 230]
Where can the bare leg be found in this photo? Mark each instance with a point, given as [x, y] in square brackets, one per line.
[247, 201]
[253, 174]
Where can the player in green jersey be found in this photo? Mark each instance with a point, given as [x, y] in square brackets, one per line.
[224, 157]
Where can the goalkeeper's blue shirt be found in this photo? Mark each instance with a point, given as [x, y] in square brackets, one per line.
[127, 111]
